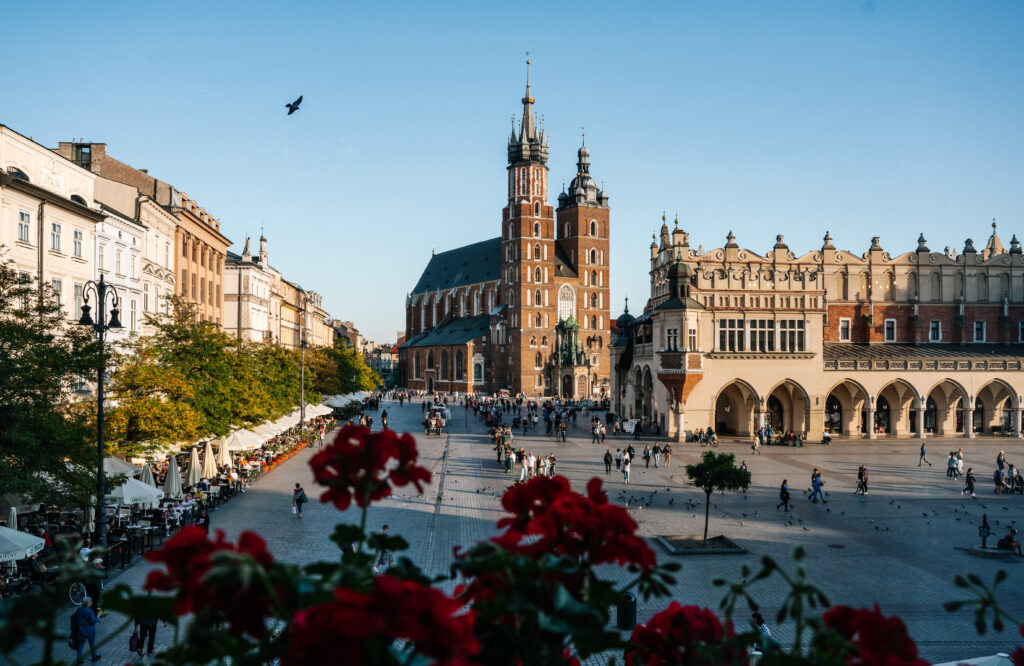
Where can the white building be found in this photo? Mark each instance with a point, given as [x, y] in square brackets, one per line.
[155, 256]
[47, 218]
[247, 295]
[119, 241]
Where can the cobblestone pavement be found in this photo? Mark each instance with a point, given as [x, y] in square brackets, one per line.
[900, 546]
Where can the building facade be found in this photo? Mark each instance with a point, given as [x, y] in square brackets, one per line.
[863, 345]
[526, 311]
[119, 243]
[48, 221]
[199, 248]
[247, 295]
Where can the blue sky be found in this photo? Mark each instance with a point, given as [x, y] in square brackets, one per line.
[862, 118]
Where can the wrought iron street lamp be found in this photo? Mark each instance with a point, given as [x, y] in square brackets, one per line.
[302, 390]
[101, 289]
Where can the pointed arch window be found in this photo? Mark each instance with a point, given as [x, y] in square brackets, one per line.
[593, 277]
[536, 275]
[537, 321]
[544, 341]
[416, 364]
[522, 181]
[593, 300]
[537, 298]
[593, 256]
[536, 225]
[536, 251]
[538, 360]
[566, 302]
[593, 228]
[593, 322]
[536, 208]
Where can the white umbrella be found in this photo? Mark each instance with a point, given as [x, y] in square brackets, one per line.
[134, 491]
[999, 659]
[223, 453]
[112, 466]
[15, 545]
[147, 476]
[172, 484]
[12, 518]
[194, 474]
[209, 464]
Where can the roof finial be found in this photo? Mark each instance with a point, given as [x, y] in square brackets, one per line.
[994, 225]
[626, 310]
[583, 133]
[663, 216]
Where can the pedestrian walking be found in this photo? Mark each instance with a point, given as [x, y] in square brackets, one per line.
[743, 466]
[783, 496]
[765, 642]
[969, 487]
[298, 499]
[386, 558]
[618, 459]
[1001, 460]
[608, 461]
[83, 628]
[816, 484]
[625, 469]
[922, 458]
[755, 445]
[146, 627]
[668, 454]
[951, 466]
[647, 456]
[862, 480]
[656, 454]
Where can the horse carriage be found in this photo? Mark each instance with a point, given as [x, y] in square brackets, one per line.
[436, 422]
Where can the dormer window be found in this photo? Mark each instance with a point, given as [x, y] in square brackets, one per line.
[18, 173]
[78, 200]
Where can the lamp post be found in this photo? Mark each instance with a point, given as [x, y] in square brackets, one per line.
[101, 326]
[302, 389]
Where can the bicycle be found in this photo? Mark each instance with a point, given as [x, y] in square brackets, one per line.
[713, 442]
[77, 593]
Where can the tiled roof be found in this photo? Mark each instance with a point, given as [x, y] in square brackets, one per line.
[845, 351]
[469, 264]
[456, 332]
[563, 267]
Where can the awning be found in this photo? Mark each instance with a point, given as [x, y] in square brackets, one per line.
[15, 545]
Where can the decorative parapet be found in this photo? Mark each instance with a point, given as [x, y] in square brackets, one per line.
[917, 364]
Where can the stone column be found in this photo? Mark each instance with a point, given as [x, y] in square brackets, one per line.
[869, 424]
[969, 423]
[1017, 414]
[920, 419]
[680, 423]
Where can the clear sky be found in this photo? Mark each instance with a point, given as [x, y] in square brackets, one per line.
[862, 118]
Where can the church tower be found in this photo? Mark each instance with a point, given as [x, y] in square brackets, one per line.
[528, 252]
[583, 232]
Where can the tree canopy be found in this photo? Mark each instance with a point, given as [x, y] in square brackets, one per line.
[341, 369]
[716, 471]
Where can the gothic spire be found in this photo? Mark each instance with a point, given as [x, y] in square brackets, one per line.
[527, 131]
[531, 144]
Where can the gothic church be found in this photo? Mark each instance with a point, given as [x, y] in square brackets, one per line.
[526, 311]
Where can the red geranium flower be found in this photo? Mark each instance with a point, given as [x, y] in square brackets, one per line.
[362, 465]
[682, 635]
[549, 517]
[880, 640]
[188, 559]
[356, 626]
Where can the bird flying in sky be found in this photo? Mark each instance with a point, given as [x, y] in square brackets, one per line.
[294, 106]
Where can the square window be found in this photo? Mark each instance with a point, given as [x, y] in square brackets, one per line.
[890, 330]
[935, 331]
[844, 330]
[979, 331]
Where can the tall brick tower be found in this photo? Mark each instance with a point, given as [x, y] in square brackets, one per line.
[583, 232]
[528, 251]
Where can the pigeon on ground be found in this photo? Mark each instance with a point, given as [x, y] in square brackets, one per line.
[294, 106]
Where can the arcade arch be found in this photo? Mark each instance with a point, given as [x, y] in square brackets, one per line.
[736, 408]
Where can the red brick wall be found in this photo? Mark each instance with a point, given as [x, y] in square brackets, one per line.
[952, 332]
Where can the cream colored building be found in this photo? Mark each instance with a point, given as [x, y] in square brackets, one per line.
[318, 333]
[248, 285]
[867, 344]
[47, 218]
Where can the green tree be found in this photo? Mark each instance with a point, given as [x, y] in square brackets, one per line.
[152, 403]
[47, 444]
[716, 471]
[341, 369]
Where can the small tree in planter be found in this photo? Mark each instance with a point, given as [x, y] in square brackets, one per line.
[716, 471]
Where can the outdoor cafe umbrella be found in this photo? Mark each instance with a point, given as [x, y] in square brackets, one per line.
[12, 518]
[195, 473]
[112, 466]
[133, 491]
[223, 454]
[147, 476]
[209, 464]
[15, 545]
[172, 484]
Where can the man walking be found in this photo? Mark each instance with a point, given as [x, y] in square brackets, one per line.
[298, 499]
[656, 454]
[83, 629]
[816, 484]
[922, 458]
[608, 461]
[625, 469]
[386, 559]
[618, 459]
[862, 480]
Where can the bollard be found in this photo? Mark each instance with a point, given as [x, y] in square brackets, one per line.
[625, 613]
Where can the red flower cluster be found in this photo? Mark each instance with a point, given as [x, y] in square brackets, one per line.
[187, 556]
[880, 640]
[549, 517]
[682, 635]
[362, 465]
[1018, 654]
[342, 632]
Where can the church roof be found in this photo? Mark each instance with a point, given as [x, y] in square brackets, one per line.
[469, 264]
[456, 332]
[563, 267]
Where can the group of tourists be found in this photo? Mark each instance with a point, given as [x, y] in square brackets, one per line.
[529, 464]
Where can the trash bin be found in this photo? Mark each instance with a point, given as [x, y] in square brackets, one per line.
[625, 613]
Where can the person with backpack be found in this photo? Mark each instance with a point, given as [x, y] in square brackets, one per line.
[608, 461]
[83, 629]
[385, 559]
[783, 495]
[298, 499]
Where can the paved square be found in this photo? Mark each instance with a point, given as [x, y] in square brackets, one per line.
[900, 546]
